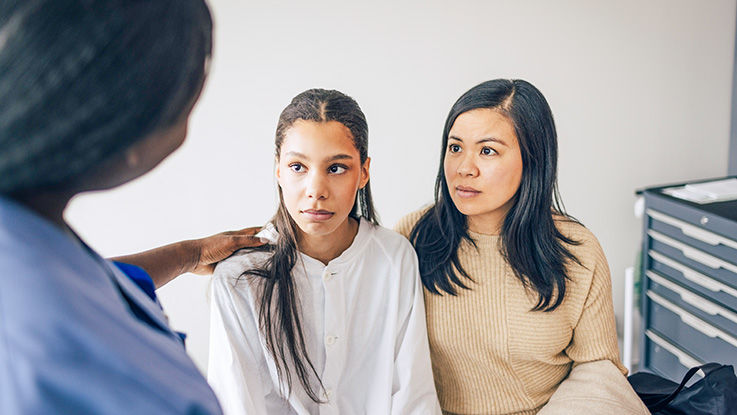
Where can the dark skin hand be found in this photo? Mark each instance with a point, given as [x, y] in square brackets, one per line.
[198, 256]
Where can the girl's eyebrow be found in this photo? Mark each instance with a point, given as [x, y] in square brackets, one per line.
[339, 157]
[483, 140]
[331, 158]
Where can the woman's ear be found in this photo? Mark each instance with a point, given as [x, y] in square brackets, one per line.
[365, 173]
[277, 171]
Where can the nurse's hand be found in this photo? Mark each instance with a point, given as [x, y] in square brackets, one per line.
[199, 256]
[207, 252]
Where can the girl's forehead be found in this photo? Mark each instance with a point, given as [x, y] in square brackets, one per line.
[313, 139]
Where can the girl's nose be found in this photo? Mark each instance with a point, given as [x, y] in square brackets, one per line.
[317, 186]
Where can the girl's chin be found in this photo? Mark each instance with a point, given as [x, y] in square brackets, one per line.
[322, 228]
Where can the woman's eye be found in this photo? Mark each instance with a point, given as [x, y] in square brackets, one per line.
[336, 169]
[454, 148]
[296, 167]
[488, 151]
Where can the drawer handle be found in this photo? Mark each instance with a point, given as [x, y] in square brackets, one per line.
[693, 231]
[694, 322]
[692, 253]
[693, 276]
[693, 299]
[699, 325]
[701, 257]
[707, 306]
[682, 357]
[698, 278]
[702, 235]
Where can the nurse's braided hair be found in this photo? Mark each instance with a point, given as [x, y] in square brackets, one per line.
[82, 80]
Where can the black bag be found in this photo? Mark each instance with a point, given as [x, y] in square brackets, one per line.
[715, 394]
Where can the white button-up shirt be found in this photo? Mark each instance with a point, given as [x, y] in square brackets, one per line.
[363, 318]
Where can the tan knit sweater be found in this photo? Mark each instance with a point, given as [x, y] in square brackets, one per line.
[491, 354]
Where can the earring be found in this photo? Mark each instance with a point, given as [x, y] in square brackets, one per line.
[131, 159]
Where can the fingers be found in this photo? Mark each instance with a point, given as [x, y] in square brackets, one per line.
[244, 241]
[244, 238]
[244, 232]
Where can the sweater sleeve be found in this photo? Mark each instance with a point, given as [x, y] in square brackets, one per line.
[595, 388]
[596, 383]
[595, 333]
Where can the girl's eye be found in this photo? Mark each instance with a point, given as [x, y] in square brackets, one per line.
[336, 169]
[454, 148]
[296, 167]
[488, 151]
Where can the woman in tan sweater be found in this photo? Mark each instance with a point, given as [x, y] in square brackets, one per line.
[517, 292]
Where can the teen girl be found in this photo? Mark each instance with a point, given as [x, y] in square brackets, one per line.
[329, 317]
[517, 292]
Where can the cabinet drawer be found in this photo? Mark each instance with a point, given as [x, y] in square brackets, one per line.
[719, 218]
[697, 282]
[693, 335]
[719, 269]
[712, 243]
[694, 304]
[666, 359]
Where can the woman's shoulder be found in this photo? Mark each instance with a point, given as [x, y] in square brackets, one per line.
[405, 225]
[576, 231]
[585, 247]
[392, 242]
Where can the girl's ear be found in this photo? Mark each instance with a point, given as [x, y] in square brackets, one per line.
[365, 173]
[277, 171]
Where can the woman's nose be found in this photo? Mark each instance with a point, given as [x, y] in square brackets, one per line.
[467, 167]
[317, 186]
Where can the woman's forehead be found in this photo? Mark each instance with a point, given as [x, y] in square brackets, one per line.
[318, 141]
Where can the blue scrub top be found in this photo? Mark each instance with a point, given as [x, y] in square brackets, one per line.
[69, 340]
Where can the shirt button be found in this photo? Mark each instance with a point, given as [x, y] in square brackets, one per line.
[330, 340]
[327, 276]
[329, 394]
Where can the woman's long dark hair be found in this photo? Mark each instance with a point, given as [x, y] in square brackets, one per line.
[81, 81]
[279, 309]
[530, 242]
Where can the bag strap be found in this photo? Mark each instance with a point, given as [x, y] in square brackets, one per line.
[706, 368]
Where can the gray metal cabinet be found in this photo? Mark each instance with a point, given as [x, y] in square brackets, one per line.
[689, 289]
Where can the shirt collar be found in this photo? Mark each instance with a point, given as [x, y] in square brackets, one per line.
[362, 237]
[20, 225]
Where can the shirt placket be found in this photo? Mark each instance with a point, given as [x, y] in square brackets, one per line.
[334, 341]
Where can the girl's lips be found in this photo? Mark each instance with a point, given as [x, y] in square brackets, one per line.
[317, 215]
[465, 192]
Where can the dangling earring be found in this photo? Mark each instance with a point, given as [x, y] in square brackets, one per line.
[131, 159]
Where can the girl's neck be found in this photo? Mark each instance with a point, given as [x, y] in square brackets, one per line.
[325, 248]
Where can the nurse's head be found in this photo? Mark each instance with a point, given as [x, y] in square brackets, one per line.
[95, 93]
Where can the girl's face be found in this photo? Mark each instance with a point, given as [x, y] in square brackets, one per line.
[483, 167]
[319, 171]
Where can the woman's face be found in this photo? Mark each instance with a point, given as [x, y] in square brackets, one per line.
[319, 171]
[483, 167]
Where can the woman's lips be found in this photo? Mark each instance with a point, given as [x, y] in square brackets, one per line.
[318, 215]
[466, 192]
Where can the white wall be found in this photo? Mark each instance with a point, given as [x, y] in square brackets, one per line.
[640, 91]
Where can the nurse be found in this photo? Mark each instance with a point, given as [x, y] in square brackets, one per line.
[93, 94]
